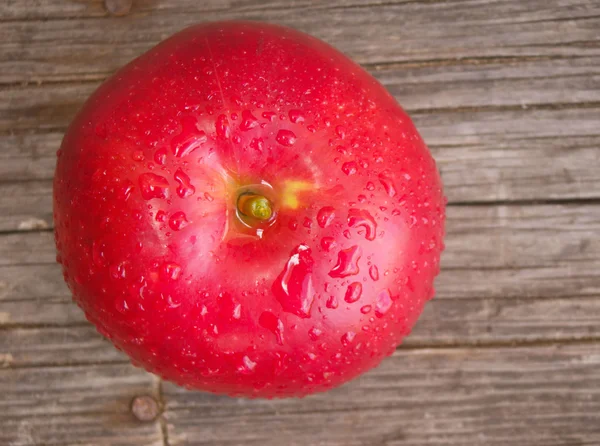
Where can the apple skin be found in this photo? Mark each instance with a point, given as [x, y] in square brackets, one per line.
[156, 251]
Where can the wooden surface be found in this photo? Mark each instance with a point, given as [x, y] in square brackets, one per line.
[507, 95]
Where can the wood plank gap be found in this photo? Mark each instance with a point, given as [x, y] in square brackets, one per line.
[506, 108]
[535, 343]
[164, 429]
[58, 365]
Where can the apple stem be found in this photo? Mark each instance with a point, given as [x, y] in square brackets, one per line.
[256, 206]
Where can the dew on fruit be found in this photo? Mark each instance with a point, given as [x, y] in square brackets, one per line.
[325, 216]
[370, 186]
[153, 186]
[160, 157]
[184, 147]
[247, 365]
[272, 323]
[117, 271]
[374, 272]
[347, 263]
[383, 303]
[353, 292]
[222, 127]
[171, 270]
[315, 333]
[208, 197]
[348, 337]
[362, 218]
[293, 288]
[296, 116]
[286, 137]
[185, 188]
[332, 302]
[249, 121]
[178, 221]
[328, 243]
[349, 168]
[365, 309]
[387, 183]
[137, 155]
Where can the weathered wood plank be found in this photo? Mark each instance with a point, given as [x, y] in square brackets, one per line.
[490, 237]
[382, 32]
[418, 87]
[28, 156]
[509, 274]
[25, 206]
[534, 396]
[68, 339]
[34, 247]
[49, 312]
[525, 245]
[56, 346]
[34, 281]
[482, 155]
[85, 405]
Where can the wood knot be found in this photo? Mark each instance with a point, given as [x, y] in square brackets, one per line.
[118, 7]
[145, 408]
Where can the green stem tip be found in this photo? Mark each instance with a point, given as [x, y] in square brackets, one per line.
[256, 206]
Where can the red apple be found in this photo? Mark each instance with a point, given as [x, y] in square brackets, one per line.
[246, 211]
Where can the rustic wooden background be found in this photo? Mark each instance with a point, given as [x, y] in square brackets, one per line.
[506, 93]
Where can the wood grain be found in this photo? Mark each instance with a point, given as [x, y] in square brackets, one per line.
[77, 405]
[90, 48]
[484, 156]
[534, 396]
[509, 274]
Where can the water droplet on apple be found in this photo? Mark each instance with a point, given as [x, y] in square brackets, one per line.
[347, 264]
[340, 131]
[293, 287]
[353, 292]
[153, 186]
[362, 218]
[374, 273]
[332, 302]
[222, 127]
[383, 303]
[286, 137]
[388, 183]
[98, 253]
[350, 168]
[370, 186]
[183, 147]
[249, 121]
[247, 365]
[325, 216]
[272, 323]
[185, 188]
[328, 243]
[171, 270]
[178, 221]
[296, 116]
[347, 338]
[117, 271]
[315, 333]
[208, 197]
[160, 157]
[365, 309]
